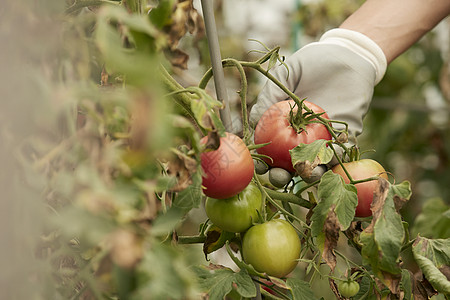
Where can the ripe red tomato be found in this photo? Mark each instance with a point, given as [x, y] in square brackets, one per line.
[272, 247]
[362, 169]
[237, 213]
[275, 127]
[227, 170]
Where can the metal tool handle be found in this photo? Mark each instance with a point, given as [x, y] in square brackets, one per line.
[216, 62]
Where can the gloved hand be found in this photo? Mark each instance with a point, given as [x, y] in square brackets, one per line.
[338, 73]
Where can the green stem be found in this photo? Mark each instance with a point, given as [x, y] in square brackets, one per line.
[269, 295]
[230, 62]
[364, 180]
[348, 261]
[351, 241]
[266, 73]
[309, 185]
[206, 78]
[292, 198]
[407, 245]
[79, 4]
[243, 96]
[182, 99]
[341, 163]
[195, 239]
[279, 207]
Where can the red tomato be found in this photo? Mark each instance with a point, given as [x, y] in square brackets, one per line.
[227, 170]
[275, 127]
[358, 170]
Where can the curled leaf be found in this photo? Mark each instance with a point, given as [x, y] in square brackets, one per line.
[433, 258]
[305, 157]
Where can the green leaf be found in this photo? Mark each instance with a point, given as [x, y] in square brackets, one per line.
[389, 235]
[406, 285]
[167, 222]
[402, 190]
[163, 273]
[272, 60]
[301, 290]
[191, 196]
[315, 153]
[244, 284]
[365, 288]
[335, 195]
[383, 238]
[160, 15]
[334, 212]
[136, 62]
[218, 282]
[184, 201]
[216, 239]
[241, 264]
[203, 109]
[434, 220]
[432, 256]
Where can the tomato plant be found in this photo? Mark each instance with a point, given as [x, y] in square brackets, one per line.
[348, 288]
[237, 213]
[228, 169]
[114, 170]
[359, 170]
[285, 128]
[272, 247]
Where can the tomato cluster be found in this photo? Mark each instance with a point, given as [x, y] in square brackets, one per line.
[235, 204]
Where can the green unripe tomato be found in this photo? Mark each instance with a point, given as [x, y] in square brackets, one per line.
[348, 288]
[237, 213]
[272, 247]
[279, 177]
[260, 167]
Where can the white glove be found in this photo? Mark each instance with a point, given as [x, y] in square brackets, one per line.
[337, 73]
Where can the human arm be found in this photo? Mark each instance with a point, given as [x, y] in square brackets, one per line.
[340, 71]
[396, 25]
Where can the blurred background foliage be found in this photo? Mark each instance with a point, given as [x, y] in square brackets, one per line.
[84, 213]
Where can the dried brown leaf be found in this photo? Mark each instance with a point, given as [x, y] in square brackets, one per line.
[178, 58]
[213, 141]
[182, 167]
[379, 198]
[331, 229]
[179, 25]
[334, 288]
[422, 289]
[304, 168]
[392, 281]
[126, 248]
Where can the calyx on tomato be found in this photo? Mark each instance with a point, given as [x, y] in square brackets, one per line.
[228, 169]
[285, 128]
[359, 170]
